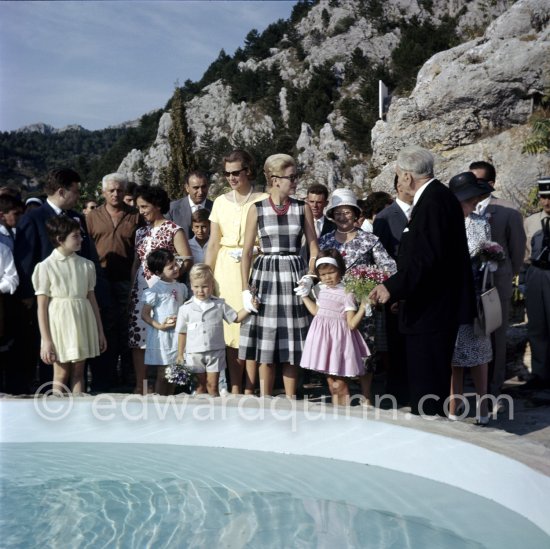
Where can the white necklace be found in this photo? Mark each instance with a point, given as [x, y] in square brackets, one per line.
[241, 204]
[346, 232]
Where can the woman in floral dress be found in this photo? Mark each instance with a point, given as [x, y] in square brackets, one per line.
[472, 351]
[359, 249]
[153, 203]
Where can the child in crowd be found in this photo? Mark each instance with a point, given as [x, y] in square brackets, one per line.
[333, 345]
[11, 209]
[68, 315]
[200, 329]
[159, 312]
[201, 228]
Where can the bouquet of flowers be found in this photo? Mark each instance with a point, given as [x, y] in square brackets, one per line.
[491, 253]
[180, 374]
[360, 281]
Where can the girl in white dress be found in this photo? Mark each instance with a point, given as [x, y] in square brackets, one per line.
[160, 310]
[68, 315]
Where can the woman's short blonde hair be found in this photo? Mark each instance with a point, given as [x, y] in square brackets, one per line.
[201, 270]
[276, 164]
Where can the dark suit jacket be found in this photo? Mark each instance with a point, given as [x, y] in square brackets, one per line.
[388, 226]
[328, 227]
[507, 229]
[434, 276]
[32, 245]
[180, 214]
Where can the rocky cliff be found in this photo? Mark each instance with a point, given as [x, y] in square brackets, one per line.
[473, 102]
[470, 102]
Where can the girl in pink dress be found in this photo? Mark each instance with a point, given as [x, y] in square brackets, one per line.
[333, 345]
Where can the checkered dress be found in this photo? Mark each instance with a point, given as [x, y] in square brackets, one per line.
[278, 332]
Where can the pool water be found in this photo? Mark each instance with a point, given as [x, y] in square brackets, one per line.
[142, 495]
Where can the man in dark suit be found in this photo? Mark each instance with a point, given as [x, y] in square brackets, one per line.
[433, 281]
[390, 222]
[196, 186]
[388, 226]
[32, 245]
[507, 229]
[317, 198]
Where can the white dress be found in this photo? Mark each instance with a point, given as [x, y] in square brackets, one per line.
[165, 298]
[66, 280]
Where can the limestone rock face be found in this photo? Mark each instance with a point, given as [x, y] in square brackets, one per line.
[320, 158]
[143, 168]
[473, 102]
[214, 112]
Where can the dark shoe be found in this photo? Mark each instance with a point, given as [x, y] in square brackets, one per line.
[535, 384]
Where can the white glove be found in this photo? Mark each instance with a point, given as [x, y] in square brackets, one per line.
[304, 286]
[236, 254]
[247, 301]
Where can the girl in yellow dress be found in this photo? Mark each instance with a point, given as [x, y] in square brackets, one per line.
[68, 315]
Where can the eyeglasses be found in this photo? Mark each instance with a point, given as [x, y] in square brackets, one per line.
[292, 177]
[234, 173]
[344, 213]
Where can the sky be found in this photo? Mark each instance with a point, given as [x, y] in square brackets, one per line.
[99, 64]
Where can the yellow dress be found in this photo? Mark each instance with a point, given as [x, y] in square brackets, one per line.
[66, 280]
[231, 219]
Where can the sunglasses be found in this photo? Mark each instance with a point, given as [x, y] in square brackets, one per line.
[293, 177]
[234, 173]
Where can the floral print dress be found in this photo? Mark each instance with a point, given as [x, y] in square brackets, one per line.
[147, 239]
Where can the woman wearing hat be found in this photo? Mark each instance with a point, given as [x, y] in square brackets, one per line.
[277, 333]
[359, 249]
[471, 350]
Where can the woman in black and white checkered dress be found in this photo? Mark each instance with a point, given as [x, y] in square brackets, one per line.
[277, 333]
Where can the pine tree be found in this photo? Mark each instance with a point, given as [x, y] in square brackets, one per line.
[182, 158]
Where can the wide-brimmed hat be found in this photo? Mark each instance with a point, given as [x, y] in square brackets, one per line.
[466, 185]
[341, 197]
[544, 186]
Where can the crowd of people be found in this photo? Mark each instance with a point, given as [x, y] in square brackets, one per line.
[251, 290]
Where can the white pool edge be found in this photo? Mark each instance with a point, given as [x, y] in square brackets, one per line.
[282, 429]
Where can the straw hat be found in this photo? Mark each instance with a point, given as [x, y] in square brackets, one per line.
[466, 185]
[341, 197]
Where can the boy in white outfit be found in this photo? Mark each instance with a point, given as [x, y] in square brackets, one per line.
[200, 329]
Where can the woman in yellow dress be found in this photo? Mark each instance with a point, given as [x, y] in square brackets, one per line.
[228, 223]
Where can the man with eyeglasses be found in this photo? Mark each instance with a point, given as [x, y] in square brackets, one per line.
[196, 186]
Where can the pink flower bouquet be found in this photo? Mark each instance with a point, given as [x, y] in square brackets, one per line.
[360, 281]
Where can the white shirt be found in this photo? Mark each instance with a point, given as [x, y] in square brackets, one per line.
[419, 192]
[404, 206]
[319, 225]
[482, 206]
[197, 250]
[56, 209]
[9, 280]
[195, 207]
[367, 226]
[6, 238]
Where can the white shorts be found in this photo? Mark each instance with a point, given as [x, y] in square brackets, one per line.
[207, 362]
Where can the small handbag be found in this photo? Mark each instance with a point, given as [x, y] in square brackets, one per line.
[489, 311]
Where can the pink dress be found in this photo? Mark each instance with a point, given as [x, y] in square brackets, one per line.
[331, 347]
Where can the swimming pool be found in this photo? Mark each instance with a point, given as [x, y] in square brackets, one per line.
[139, 474]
